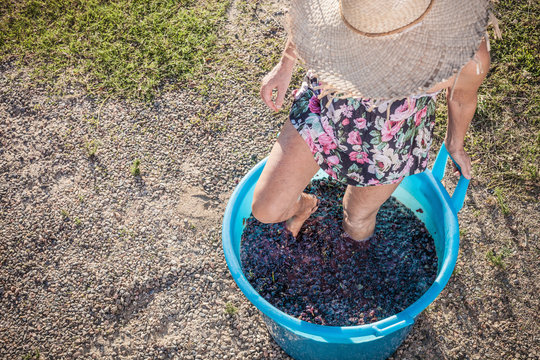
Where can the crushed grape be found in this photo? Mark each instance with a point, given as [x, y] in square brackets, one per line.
[326, 278]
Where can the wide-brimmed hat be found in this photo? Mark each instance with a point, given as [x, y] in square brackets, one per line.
[386, 49]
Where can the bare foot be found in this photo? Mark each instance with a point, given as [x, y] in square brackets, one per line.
[308, 205]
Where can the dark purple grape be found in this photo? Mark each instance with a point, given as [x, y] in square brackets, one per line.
[327, 279]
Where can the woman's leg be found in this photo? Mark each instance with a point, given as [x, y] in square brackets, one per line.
[278, 194]
[360, 207]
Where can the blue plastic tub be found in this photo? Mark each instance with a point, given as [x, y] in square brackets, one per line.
[303, 340]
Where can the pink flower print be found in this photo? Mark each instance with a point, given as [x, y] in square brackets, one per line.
[346, 110]
[306, 134]
[311, 145]
[395, 181]
[331, 172]
[424, 163]
[360, 157]
[327, 128]
[354, 138]
[390, 128]
[419, 116]
[327, 143]
[407, 167]
[404, 111]
[345, 122]
[386, 131]
[315, 105]
[373, 182]
[332, 160]
[360, 123]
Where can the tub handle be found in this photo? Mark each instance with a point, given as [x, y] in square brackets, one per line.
[406, 321]
[458, 197]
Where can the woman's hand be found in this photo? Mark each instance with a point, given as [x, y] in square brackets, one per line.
[279, 78]
[463, 159]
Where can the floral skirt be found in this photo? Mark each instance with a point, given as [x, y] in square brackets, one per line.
[361, 144]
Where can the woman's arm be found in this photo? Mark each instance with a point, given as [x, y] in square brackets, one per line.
[462, 100]
[279, 78]
[288, 52]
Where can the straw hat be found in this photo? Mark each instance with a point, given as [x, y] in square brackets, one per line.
[386, 49]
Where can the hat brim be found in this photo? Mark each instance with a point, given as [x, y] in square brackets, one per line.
[392, 66]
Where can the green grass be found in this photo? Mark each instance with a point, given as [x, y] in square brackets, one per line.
[499, 195]
[230, 309]
[91, 148]
[498, 259]
[32, 355]
[135, 167]
[123, 47]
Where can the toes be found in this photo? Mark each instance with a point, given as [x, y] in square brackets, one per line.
[295, 223]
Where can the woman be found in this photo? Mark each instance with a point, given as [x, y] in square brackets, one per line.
[386, 69]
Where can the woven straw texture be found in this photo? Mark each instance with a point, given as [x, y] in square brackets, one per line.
[389, 66]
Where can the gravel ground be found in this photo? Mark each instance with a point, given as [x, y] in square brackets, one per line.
[98, 263]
